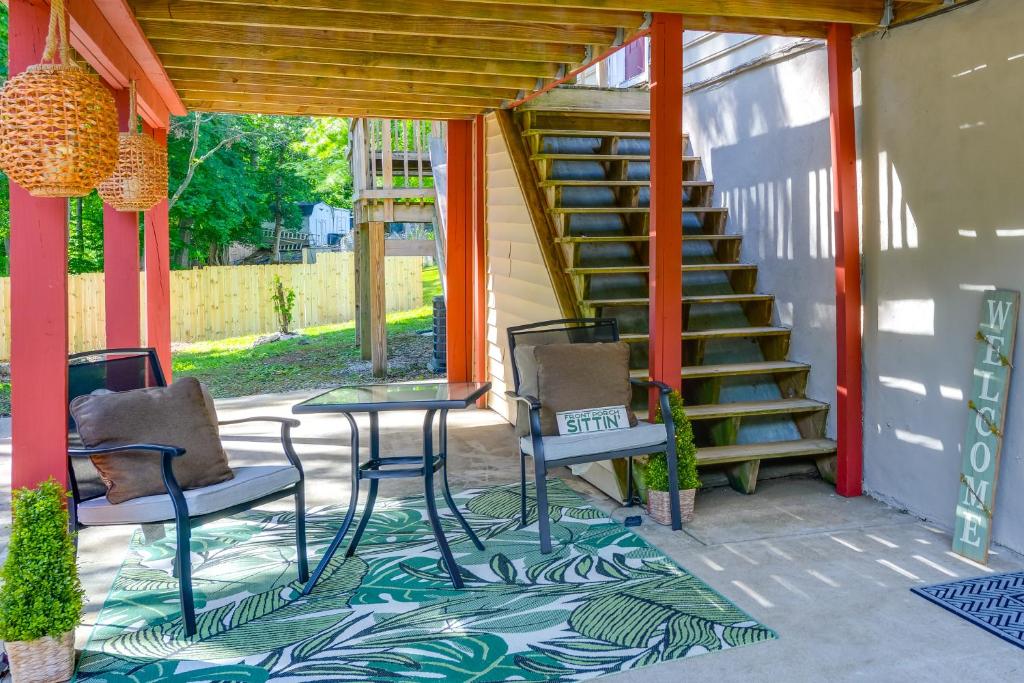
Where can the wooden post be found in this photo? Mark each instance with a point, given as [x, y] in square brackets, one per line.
[479, 333]
[158, 275]
[387, 168]
[458, 256]
[373, 339]
[666, 246]
[849, 413]
[121, 260]
[39, 297]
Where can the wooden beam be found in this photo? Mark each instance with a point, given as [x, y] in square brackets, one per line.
[543, 228]
[299, 69]
[665, 242]
[506, 11]
[373, 332]
[458, 253]
[200, 90]
[383, 43]
[338, 86]
[756, 26]
[341, 100]
[849, 408]
[479, 250]
[840, 11]
[497, 67]
[200, 12]
[396, 111]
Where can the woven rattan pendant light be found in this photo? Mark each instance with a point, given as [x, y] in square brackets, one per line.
[58, 123]
[139, 180]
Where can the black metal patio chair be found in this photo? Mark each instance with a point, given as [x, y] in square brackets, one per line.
[251, 487]
[548, 451]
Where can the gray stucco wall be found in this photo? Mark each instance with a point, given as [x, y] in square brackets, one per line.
[940, 106]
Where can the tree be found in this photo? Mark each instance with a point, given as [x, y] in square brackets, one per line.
[326, 147]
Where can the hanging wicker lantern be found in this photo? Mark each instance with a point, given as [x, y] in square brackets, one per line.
[58, 123]
[139, 180]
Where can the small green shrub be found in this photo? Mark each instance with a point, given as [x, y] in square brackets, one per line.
[656, 476]
[284, 303]
[40, 594]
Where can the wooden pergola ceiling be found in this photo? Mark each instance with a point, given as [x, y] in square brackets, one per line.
[432, 58]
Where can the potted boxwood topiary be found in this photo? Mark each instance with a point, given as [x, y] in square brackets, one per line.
[656, 474]
[40, 593]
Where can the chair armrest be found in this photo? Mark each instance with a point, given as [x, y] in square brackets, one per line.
[532, 401]
[172, 451]
[286, 435]
[291, 422]
[662, 387]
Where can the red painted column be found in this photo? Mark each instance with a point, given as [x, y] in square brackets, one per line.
[121, 261]
[39, 298]
[850, 422]
[158, 276]
[459, 252]
[666, 242]
[479, 252]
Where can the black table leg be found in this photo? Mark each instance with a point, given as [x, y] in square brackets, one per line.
[447, 490]
[372, 497]
[428, 491]
[349, 516]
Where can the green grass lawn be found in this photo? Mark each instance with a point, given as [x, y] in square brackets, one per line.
[324, 356]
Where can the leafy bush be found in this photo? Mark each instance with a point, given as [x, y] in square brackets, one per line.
[686, 452]
[284, 304]
[40, 593]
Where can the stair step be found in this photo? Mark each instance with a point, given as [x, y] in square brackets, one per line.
[608, 239]
[589, 132]
[687, 268]
[631, 209]
[616, 183]
[702, 299]
[714, 455]
[721, 333]
[786, 406]
[733, 369]
[545, 156]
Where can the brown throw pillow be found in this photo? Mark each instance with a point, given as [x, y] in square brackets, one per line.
[178, 415]
[576, 376]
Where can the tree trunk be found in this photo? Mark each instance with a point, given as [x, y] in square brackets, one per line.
[278, 229]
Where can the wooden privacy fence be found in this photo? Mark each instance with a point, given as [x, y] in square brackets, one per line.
[230, 301]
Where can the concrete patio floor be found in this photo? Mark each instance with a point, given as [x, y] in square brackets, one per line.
[831, 575]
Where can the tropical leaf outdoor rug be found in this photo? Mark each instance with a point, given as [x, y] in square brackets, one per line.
[603, 601]
[995, 603]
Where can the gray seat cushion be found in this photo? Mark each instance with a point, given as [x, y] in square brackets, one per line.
[572, 445]
[249, 483]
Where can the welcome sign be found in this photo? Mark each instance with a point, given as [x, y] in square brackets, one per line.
[983, 443]
[590, 420]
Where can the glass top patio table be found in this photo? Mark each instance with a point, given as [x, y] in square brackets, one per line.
[366, 398]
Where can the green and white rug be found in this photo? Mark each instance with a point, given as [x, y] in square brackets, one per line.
[604, 601]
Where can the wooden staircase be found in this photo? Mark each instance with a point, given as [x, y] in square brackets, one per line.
[746, 400]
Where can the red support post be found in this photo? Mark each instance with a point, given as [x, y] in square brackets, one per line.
[850, 421]
[121, 260]
[666, 240]
[479, 252]
[458, 255]
[158, 275]
[39, 297]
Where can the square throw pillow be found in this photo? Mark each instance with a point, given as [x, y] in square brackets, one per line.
[577, 376]
[178, 415]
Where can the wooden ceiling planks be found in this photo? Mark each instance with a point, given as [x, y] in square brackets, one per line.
[431, 58]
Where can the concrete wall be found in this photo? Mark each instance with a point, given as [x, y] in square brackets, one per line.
[939, 106]
[518, 286]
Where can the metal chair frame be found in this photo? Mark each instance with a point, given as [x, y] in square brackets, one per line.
[540, 466]
[184, 522]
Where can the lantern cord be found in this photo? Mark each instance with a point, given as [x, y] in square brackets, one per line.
[57, 33]
[132, 123]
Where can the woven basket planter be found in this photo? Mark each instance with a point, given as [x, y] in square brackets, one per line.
[139, 179]
[43, 660]
[660, 510]
[58, 130]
